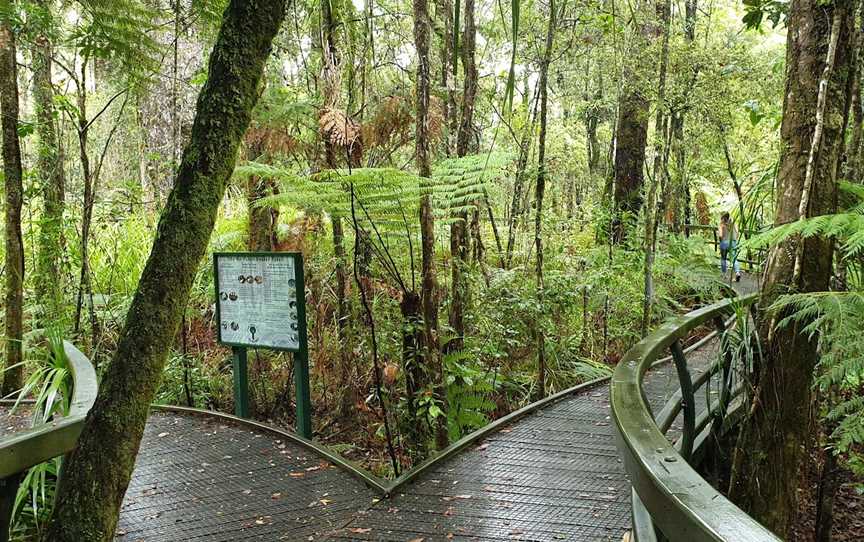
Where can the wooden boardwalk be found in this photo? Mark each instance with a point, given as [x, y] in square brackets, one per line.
[553, 475]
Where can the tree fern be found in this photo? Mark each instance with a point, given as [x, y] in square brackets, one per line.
[470, 390]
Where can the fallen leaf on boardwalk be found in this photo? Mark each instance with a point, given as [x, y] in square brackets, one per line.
[449, 536]
[297, 474]
[247, 491]
[276, 496]
[316, 467]
[483, 446]
[488, 488]
[160, 435]
[417, 540]
[325, 502]
[360, 530]
[505, 430]
[449, 512]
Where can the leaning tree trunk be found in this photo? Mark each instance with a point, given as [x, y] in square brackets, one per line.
[815, 109]
[14, 201]
[97, 472]
[48, 278]
[427, 219]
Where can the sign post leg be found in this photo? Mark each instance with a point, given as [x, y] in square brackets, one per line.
[241, 383]
[304, 403]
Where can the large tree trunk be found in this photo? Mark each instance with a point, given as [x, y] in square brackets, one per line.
[539, 192]
[659, 168]
[427, 220]
[14, 201]
[815, 108]
[678, 198]
[48, 279]
[631, 135]
[97, 472]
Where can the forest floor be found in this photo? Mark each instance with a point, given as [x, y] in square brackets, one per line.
[848, 522]
[13, 422]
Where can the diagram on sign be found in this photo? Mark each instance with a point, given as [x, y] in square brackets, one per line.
[257, 297]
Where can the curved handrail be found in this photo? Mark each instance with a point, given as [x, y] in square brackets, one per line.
[680, 502]
[25, 449]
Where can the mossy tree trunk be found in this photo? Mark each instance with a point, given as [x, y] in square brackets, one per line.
[428, 293]
[48, 278]
[14, 200]
[815, 110]
[97, 472]
[632, 131]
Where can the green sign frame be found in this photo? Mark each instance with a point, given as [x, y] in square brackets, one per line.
[300, 350]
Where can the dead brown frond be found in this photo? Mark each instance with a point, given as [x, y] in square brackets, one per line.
[261, 140]
[338, 128]
[703, 214]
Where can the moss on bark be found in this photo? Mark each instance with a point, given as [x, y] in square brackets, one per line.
[14, 201]
[98, 470]
[770, 450]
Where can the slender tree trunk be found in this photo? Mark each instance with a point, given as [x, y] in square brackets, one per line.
[459, 227]
[331, 76]
[85, 289]
[427, 220]
[49, 282]
[818, 53]
[540, 190]
[12, 170]
[516, 208]
[658, 169]
[88, 499]
[262, 221]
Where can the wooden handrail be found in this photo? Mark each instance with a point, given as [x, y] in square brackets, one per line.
[669, 494]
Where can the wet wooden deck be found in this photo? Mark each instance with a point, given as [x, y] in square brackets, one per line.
[553, 475]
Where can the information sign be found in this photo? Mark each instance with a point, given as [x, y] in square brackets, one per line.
[261, 303]
[257, 300]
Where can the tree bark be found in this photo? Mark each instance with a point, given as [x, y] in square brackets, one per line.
[427, 220]
[658, 168]
[459, 227]
[769, 453]
[12, 170]
[539, 192]
[631, 136]
[49, 282]
[97, 472]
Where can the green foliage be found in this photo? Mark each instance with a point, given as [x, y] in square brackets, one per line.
[50, 383]
[117, 31]
[470, 389]
[775, 11]
[461, 183]
[836, 318]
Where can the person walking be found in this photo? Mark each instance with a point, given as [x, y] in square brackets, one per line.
[728, 234]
